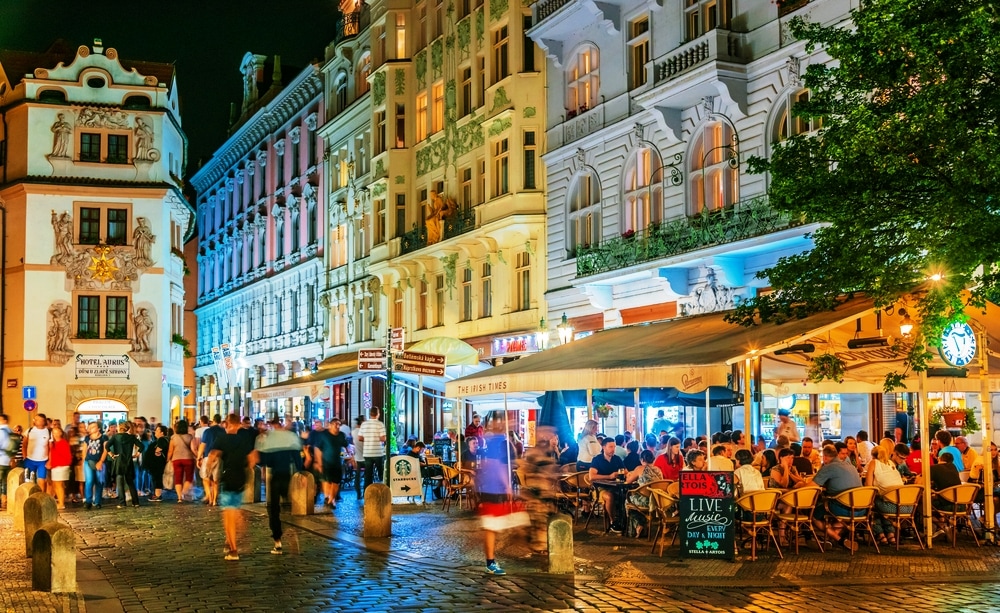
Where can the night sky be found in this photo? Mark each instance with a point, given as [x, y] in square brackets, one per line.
[205, 40]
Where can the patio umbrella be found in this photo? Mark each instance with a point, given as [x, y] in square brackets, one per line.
[553, 413]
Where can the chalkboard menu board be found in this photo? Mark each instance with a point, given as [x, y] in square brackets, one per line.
[708, 529]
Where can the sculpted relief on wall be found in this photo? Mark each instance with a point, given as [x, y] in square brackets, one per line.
[101, 267]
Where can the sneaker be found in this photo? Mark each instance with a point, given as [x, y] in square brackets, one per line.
[940, 532]
[121, 506]
[276, 550]
[155, 499]
[494, 569]
[87, 506]
[232, 555]
[614, 531]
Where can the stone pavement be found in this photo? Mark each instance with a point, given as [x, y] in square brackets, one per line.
[168, 557]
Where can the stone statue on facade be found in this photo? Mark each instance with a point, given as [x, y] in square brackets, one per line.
[57, 337]
[61, 133]
[62, 225]
[142, 323]
[142, 240]
[439, 208]
[144, 141]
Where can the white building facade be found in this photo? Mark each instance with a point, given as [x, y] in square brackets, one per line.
[91, 155]
[261, 246]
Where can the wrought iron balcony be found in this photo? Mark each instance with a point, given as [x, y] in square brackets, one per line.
[546, 8]
[747, 219]
[351, 24]
[462, 221]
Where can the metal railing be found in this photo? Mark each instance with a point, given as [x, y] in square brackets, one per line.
[548, 7]
[746, 219]
[462, 221]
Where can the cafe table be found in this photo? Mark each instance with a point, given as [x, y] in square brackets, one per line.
[619, 492]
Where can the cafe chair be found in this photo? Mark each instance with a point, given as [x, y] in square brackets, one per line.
[794, 512]
[576, 494]
[648, 513]
[858, 501]
[458, 486]
[664, 508]
[960, 498]
[904, 496]
[757, 511]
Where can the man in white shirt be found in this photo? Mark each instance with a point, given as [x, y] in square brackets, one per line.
[719, 461]
[864, 448]
[372, 436]
[359, 453]
[37, 444]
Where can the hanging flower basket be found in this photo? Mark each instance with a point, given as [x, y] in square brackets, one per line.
[826, 366]
[603, 411]
[955, 418]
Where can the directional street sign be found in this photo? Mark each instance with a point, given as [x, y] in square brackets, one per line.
[419, 363]
[29, 392]
[371, 359]
[397, 338]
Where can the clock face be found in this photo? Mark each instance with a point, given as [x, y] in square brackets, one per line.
[958, 344]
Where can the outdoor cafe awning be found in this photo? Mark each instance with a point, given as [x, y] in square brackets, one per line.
[332, 370]
[690, 354]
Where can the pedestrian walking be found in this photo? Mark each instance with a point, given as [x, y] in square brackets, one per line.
[280, 451]
[36, 445]
[329, 449]
[372, 436]
[181, 457]
[123, 449]
[94, 455]
[7, 453]
[496, 507]
[155, 461]
[235, 456]
[60, 465]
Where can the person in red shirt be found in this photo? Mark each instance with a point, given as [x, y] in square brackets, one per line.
[475, 429]
[60, 460]
[671, 462]
[913, 461]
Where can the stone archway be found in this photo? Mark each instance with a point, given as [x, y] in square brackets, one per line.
[127, 394]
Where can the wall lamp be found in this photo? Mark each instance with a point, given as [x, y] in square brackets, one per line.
[565, 330]
[905, 326]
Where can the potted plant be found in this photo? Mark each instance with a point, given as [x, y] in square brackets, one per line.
[603, 411]
[826, 366]
[955, 417]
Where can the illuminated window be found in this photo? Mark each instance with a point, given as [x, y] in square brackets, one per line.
[701, 16]
[421, 116]
[638, 51]
[437, 110]
[584, 213]
[583, 82]
[400, 35]
[439, 300]
[643, 185]
[787, 124]
[713, 168]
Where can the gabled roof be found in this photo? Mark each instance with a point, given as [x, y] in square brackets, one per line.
[16, 64]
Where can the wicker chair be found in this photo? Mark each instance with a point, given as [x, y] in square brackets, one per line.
[758, 512]
[576, 493]
[904, 496]
[858, 501]
[664, 506]
[961, 497]
[458, 485]
[799, 505]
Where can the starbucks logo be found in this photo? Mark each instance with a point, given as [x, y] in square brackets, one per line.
[403, 467]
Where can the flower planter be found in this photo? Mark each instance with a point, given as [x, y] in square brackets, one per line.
[954, 420]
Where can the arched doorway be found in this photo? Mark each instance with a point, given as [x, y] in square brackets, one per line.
[104, 410]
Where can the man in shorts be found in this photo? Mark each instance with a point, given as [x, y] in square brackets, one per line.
[328, 449]
[209, 477]
[234, 456]
[37, 444]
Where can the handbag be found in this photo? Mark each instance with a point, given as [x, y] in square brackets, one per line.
[168, 476]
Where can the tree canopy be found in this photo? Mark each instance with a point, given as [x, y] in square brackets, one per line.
[905, 170]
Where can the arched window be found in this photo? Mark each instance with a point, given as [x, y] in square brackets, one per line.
[583, 213]
[136, 101]
[364, 69]
[583, 80]
[340, 87]
[642, 202]
[785, 124]
[713, 168]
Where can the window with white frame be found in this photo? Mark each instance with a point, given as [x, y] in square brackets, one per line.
[701, 16]
[638, 51]
[422, 116]
[364, 69]
[787, 124]
[642, 203]
[583, 81]
[486, 290]
[422, 306]
[437, 108]
[439, 300]
[501, 167]
[501, 54]
[713, 168]
[467, 294]
[397, 308]
[584, 213]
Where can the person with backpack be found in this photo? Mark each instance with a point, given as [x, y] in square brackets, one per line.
[36, 446]
[7, 451]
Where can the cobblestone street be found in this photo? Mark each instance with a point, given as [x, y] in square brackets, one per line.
[167, 557]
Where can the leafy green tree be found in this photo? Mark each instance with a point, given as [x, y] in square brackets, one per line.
[905, 171]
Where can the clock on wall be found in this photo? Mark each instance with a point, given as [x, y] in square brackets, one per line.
[958, 344]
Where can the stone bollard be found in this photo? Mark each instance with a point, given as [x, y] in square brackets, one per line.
[20, 495]
[14, 478]
[39, 509]
[251, 493]
[302, 493]
[561, 544]
[53, 565]
[378, 511]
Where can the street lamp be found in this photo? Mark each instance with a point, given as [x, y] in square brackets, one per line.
[905, 326]
[542, 336]
[565, 330]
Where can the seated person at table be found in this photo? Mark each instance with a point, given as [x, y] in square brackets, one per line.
[620, 449]
[944, 475]
[471, 453]
[883, 474]
[800, 461]
[695, 460]
[645, 473]
[671, 461]
[944, 438]
[632, 459]
[426, 471]
[914, 461]
[900, 453]
[810, 453]
[748, 478]
[969, 455]
[835, 476]
[719, 461]
[783, 476]
[606, 465]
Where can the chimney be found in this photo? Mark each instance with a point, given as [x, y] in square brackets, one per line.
[98, 46]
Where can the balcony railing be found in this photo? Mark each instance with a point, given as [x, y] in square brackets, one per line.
[747, 219]
[547, 7]
[351, 24]
[716, 44]
[464, 220]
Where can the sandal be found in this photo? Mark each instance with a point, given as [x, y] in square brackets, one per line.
[882, 540]
[848, 545]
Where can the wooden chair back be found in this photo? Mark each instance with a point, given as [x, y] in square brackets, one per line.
[964, 494]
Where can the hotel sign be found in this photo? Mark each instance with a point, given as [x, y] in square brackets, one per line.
[102, 366]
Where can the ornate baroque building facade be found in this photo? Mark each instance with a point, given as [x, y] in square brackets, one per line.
[261, 242]
[91, 155]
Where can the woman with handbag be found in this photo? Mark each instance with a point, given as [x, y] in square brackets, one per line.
[155, 460]
[123, 448]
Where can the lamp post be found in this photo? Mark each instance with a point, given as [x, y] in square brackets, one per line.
[565, 330]
[542, 336]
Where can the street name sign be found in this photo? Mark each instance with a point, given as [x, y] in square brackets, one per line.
[419, 363]
[371, 359]
[396, 338]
